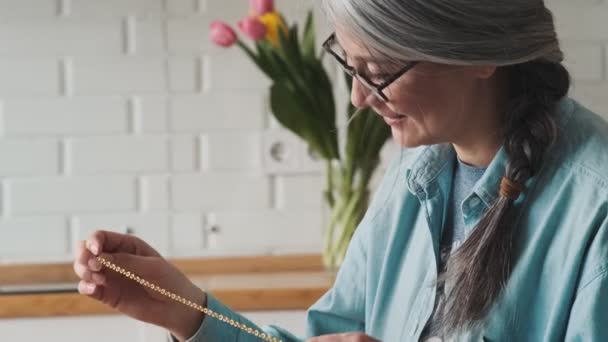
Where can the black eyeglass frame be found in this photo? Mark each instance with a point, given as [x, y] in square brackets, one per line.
[377, 89]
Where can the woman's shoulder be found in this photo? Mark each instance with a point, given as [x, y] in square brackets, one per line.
[582, 145]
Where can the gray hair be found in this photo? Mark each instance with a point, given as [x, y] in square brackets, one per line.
[456, 32]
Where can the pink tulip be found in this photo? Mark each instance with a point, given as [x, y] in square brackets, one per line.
[222, 34]
[261, 7]
[253, 28]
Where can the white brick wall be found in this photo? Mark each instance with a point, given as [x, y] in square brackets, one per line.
[217, 191]
[80, 116]
[65, 195]
[119, 75]
[95, 155]
[24, 158]
[120, 114]
[28, 9]
[29, 76]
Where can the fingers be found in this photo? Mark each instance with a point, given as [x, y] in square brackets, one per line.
[81, 253]
[91, 290]
[88, 275]
[86, 288]
[86, 267]
[112, 242]
[133, 263]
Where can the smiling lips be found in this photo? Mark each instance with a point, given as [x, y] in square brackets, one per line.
[394, 119]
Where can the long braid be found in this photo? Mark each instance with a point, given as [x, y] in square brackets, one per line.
[480, 268]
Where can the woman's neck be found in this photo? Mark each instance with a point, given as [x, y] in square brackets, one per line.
[484, 135]
[479, 155]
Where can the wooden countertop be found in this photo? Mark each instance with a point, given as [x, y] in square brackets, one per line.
[290, 282]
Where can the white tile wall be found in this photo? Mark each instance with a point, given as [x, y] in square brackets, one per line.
[247, 230]
[233, 150]
[188, 233]
[145, 35]
[184, 152]
[185, 75]
[35, 235]
[29, 76]
[97, 155]
[120, 113]
[28, 9]
[61, 37]
[150, 114]
[115, 8]
[220, 191]
[181, 7]
[80, 116]
[32, 157]
[119, 75]
[585, 61]
[154, 193]
[236, 109]
[52, 195]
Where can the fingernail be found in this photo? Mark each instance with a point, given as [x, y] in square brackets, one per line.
[94, 249]
[94, 265]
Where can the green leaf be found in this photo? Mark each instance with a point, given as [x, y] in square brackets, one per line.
[265, 62]
[279, 70]
[307, 105]
[366, 135]
[290, 49]
[255, 58]
[308, 38]
[293, 113]
[322, 89]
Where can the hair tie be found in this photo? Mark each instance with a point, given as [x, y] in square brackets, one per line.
[510, 189]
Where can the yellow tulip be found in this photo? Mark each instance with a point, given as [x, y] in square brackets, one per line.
[273, 22]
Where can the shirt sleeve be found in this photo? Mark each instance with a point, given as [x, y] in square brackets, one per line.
[213, 329]
[588, 317]
[341, 309]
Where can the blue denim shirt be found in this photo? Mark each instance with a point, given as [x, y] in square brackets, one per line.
[558, 289]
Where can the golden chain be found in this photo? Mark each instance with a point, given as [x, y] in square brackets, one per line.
[173, 296]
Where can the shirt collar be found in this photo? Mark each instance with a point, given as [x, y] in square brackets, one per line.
[429, 161]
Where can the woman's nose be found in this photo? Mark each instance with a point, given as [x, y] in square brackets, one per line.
[360, 95]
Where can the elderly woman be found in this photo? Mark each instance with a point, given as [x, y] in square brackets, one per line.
[493, 227]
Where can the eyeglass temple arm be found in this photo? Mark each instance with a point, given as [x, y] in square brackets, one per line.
[400, 73]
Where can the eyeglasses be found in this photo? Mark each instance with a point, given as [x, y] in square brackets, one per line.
[330, 45]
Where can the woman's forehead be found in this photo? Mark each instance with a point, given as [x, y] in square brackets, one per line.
[355, 50]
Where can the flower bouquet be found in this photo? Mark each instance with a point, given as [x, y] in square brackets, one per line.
[302, 100]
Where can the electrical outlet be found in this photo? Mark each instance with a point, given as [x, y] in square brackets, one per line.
[280, 152]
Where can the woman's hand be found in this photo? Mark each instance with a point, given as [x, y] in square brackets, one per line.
[349, 337]
[129, 297]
